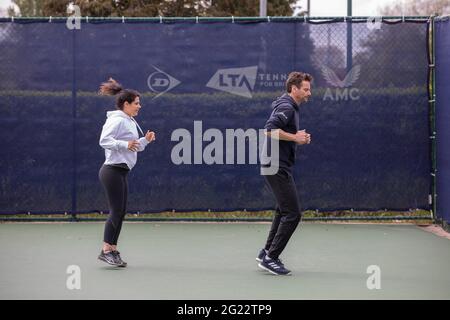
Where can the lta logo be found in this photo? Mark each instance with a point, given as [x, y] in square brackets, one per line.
[238, 81]
[342, 87]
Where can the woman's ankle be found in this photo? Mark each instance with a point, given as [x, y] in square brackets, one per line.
[107, 248]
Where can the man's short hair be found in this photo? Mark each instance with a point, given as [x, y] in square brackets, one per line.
[295, 79]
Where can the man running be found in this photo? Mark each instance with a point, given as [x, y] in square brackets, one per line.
[284, 120]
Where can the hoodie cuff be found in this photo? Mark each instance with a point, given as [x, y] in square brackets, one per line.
[123, 145]
[143, 141]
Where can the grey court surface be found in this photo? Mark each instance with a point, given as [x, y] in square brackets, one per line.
[217, 261]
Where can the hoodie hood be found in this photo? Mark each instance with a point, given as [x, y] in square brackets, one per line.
[284, 99]
[117, 113]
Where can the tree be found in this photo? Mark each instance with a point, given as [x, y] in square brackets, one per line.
[181, 8]
[398, 49]
[29, 8]
[394, 56]
[104, 8]
[249, 8]
[417, 8]
[154, 8]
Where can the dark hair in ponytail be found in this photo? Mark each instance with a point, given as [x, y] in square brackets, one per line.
[112, 88]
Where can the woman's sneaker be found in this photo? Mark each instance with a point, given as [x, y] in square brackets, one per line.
[261, 255]
[110, 258]
[122, 263]
[274, 266]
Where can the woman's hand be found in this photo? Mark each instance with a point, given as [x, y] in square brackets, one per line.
[150, 136]
[133, 145]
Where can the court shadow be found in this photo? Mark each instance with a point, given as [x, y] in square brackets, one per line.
[111, 268]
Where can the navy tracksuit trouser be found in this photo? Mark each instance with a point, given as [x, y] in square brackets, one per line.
[288, 213]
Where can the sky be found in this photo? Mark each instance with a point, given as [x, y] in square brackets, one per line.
[318, 7]
[4, 4]
[339, 7]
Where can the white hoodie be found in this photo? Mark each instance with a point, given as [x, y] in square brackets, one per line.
[118, 129]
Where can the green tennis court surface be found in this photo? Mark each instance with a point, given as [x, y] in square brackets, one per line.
[217, 261]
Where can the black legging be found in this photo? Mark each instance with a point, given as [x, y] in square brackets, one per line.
[114, 181]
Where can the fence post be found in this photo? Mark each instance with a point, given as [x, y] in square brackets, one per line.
[74, 129]
[349, 36]
[432, 113]
[433, 97]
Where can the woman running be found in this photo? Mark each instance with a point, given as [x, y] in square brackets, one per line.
[121, 142]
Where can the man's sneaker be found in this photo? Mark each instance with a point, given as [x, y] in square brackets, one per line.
[274, 266]
[261, 255]
[119, 259]
[109, 258]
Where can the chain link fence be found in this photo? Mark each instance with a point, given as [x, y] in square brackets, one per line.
[368, 116]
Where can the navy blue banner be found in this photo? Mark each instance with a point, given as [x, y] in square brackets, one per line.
[443, 118]
[368, 116]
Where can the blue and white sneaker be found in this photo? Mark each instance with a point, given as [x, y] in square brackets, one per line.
[110, 258]
[261, 255]
[274, 266]
[122, 263]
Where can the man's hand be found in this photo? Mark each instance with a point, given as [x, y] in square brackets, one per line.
[133, 145]
[302, 137]
[150, 136]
